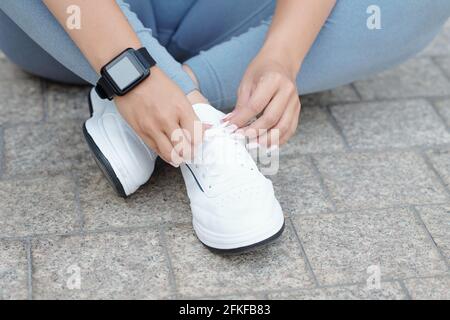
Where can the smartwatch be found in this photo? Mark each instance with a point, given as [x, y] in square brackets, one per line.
[124, 73]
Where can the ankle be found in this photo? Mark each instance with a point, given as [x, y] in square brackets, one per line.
[191, 74]
[196, 97]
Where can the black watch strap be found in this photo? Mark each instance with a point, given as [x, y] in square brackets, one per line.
[104, 89]
[145, 58]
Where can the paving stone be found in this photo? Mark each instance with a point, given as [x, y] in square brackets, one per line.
[437, 288]
[315, 134]
[444, 63]
[48, 148]
[418, 77]
[2, 152]
[9, 71]
[379, 180]
[341, 247]
[37, 206]
[199, 272]
[67, 102]
[13, 271]
[32, 149]
[110, 265]
[443, 107]
[21, 101]
[339, 95]
[390, 124]
[387, 291]
[440, 159]
[236, 297]
[297, 187]
[441, 44]
[163, 199]
[437, 221]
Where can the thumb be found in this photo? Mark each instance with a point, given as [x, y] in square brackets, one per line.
[243, 97]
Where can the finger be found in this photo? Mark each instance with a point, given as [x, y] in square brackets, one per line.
[167, 151]
[193, 127]
[281, 128]
[150, 143]
[271, 116]
[243, 97]
[259, 99]
[290, 129]
[180, 142]
[285, 138]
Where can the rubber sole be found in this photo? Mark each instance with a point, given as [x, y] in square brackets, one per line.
[246, 249]
[102, 162]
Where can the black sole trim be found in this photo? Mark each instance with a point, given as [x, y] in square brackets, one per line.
[104, 164]
[91, 110]
[247, 248]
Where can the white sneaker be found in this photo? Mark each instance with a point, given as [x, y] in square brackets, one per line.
[233, 205]
[123, 157]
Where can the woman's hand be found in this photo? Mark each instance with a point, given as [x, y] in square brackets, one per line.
[267, 88]
[269, 83]
[157, 109]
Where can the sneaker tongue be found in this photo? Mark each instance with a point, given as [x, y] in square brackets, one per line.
[208, 114]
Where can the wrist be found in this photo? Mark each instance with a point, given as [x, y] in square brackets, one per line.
[284, 55]
[124, 73]
[102, 57]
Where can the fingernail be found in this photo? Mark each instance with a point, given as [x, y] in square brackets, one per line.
[207, 126]
[232, 127]
[227, 116]
[177, 162]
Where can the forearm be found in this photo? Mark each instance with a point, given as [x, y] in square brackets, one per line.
[107, 28]
[104, 32]
[294, 28]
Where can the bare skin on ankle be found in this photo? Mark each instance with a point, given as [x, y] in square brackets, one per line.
[194, 96]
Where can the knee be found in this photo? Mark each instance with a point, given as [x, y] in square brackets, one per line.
[403, 26]
[18, 47]
[422, 20]
[413, 24]
[405, 29]
[359, 51]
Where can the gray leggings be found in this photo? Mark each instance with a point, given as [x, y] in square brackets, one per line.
[219, 38]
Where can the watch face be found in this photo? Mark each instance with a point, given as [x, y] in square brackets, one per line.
[123, 72]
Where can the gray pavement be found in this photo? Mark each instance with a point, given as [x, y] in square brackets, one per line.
[365, 185]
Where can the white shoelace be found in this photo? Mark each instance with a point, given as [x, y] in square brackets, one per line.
[222, 147]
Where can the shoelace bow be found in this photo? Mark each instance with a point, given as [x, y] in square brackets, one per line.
[214, 157]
